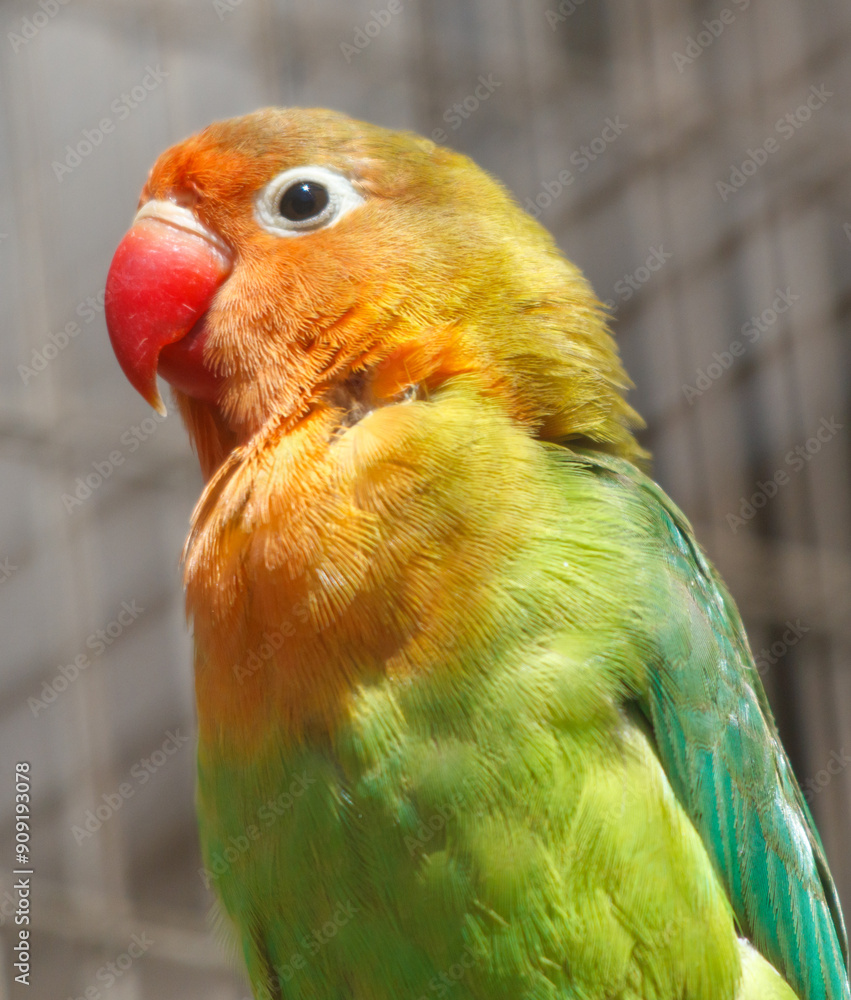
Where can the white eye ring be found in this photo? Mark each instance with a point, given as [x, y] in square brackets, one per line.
[341, 194]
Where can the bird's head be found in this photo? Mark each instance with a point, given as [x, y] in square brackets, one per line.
[295, 259]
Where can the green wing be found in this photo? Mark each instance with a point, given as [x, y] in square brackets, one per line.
[718, 743]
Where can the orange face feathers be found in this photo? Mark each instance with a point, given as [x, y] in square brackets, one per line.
[423, 268]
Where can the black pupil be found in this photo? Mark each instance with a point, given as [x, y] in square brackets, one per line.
[304, 200]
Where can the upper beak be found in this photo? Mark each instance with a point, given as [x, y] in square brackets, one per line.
[161, 282]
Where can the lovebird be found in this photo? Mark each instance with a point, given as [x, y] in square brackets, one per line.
[477, 719]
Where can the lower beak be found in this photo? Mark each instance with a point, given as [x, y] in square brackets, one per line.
[161, 283]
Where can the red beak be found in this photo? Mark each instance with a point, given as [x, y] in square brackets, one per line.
[161, 283]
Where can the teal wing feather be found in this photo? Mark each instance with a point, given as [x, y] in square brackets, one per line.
[717, 740]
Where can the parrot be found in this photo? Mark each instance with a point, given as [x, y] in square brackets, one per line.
[477, 718]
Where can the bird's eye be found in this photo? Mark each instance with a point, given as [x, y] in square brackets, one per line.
[304, 199]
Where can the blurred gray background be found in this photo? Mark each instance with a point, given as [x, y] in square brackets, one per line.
[692, 157]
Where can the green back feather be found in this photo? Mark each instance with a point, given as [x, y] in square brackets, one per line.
[718, 743]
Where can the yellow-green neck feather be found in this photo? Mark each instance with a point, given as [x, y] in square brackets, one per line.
[321, 559]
